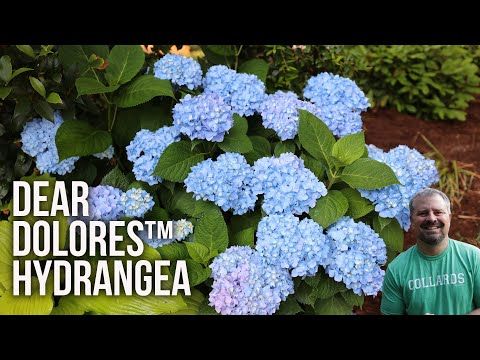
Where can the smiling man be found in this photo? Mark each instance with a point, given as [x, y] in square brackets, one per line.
[438, 275]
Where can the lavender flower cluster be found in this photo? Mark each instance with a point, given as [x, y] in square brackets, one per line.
[356, 255]
[413, 170]
[244, 284]
[180, 70]
[181, 229]
[145, 150]
[339, 101]
[226, 181]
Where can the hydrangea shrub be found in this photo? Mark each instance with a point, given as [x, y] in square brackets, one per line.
[279, 206]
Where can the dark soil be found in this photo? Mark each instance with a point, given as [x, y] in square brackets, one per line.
[456, 141]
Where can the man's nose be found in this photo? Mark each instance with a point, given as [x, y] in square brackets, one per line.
[431, 216]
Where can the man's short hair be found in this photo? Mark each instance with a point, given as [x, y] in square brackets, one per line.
[427, 192]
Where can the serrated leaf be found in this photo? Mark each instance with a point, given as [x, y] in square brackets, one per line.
[329, 208]
[327, 287]
[5, 91]
[143, 89]
[379, 223]
[43, 109]
[125, 61]
[335, 305]
[176, 161]
[314, 165]
[349, 148]
[212, 231]
[261, 148]
[256, 67]
[289, 307]
[79, 55]
[352, 299]
[185, 203]
[87, 86]
[173, 252]
[303, 294]
[368, 174]
[78, 138]
[392, 235]
[26, 49]
[157, 214]
[357, 205]
[54, 98]
[284, 147]
[243, 237]
[37, 85]
[236, 140]
[198, 252]
[315, 137]
[5, 68]
[197, 273]
[116, 178]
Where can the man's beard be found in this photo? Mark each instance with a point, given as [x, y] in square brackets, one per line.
[433, 239]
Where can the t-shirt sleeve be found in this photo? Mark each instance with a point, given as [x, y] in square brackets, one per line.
[476, 280]
[392, 300]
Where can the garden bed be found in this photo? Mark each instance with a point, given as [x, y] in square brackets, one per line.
[455, 140]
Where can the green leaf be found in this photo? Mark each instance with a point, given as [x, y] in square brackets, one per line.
[123, 305]
[212, 232]
[79, 55]
[27, 305]
[116, 178]
[130, 121]
[22, 107]
[315, 137]
[173, 252]
[284, 147]
[78, 138]
[261, 148]
[197, 273]
[392, 235]
[5, 91]
[335, 305]
[143, 89]
[37, 85]
[357, 205]
[2, 129]
[6, 254]
[329, 208]
[198, 252]
[185, 203]
[125, 61]
[256, 67]
[236, 140]
[314, 165]
[27, 50]
[176, 161]
[352, 299]
[368, 174]
[379, 223]
[18, 72]
[303, 294]
[5, 68]
[244, 237]
[87, 86]
[349, 148]
[157, 214]
[54, 98]
[43, 109]
[289, 307]
[327, 287]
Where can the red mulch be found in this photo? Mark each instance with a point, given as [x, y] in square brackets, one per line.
[455, 140]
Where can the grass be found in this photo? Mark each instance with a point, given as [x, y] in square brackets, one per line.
[456, 178]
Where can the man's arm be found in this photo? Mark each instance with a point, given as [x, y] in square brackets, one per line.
[392, 299]
[476, 285]
[475, 312]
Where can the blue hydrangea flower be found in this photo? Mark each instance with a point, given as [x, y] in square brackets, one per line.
[181, 229]
[104, 203]
[205, 116]
[288, 186]
[243, 92]
[38, 140]
[106, 154]
[413, 170]
[285, 241]
[244, 284]
[180, 70]
[339, 101]
[226, 181]
[145, 150]
[136, 202]
[356, 255]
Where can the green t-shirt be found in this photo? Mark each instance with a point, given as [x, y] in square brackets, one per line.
[444, 284]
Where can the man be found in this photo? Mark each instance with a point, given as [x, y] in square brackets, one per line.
[438, 275]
